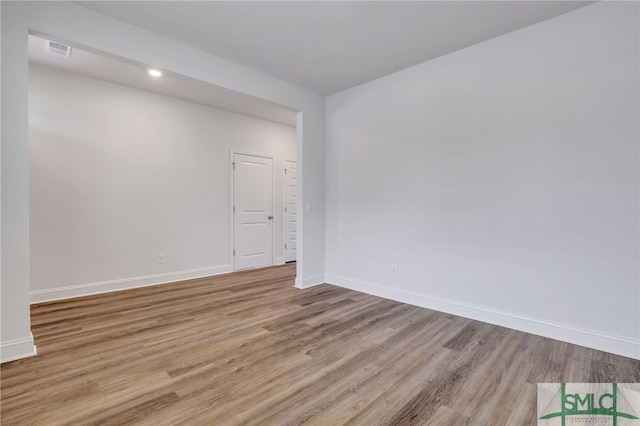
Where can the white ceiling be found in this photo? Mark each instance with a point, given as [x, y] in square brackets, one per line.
[324, 46]
[136, 75]
[329, 46]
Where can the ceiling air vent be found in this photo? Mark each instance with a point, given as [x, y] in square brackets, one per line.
[57, 48]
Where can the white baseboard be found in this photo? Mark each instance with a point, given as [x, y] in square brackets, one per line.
[67, 292]
[309, 281]
[12, 350]
[567, 333]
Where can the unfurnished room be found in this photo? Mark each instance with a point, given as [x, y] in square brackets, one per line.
[320, 213]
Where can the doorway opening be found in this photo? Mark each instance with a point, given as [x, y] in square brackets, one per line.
[141, 165]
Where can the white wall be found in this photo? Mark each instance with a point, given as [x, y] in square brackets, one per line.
[76, 25]
[503, 180]
[119, 175]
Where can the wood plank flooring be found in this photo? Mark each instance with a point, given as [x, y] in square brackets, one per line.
[249, 349]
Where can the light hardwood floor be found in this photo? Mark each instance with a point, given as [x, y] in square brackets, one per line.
[248, 348]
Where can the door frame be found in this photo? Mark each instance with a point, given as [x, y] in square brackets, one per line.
[232, 154]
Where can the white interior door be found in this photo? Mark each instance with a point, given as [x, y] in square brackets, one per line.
[290, 210]
[253, 211]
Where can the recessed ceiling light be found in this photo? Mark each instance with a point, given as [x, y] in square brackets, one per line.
[155, 73]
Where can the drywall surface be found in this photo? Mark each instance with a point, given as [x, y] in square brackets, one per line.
[502, 180]
[81, 27]
[119, 176]
[15, 336]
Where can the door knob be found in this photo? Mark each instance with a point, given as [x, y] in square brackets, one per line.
[270, 217]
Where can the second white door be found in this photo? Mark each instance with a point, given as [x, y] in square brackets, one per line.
[253, 211]
[290, 210]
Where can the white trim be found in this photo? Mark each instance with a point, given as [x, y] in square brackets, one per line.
[299, 199]
[79, 290]
[232, 216]
[567, 333]
[309, 281]
[17, 349]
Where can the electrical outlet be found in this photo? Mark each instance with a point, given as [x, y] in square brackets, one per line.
[161, 258]
[394, 269]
